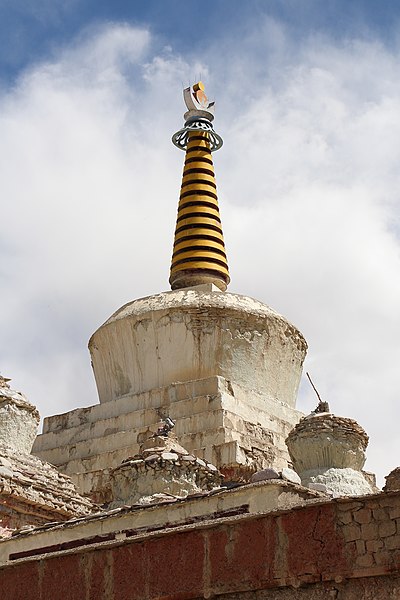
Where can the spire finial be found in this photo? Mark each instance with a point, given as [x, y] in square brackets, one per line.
[199, 250]
[322, 406]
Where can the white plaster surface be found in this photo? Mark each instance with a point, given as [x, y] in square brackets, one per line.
[340, 482]
[192, 334]
[19, 421]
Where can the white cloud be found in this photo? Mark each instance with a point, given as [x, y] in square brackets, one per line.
[309, 187]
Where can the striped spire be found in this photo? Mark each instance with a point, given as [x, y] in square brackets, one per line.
[199, 250]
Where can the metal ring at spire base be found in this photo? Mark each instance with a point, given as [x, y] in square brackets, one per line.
[180, 138]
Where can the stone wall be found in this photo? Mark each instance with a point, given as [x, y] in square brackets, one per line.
[342, 549]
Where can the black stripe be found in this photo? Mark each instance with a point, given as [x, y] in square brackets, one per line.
[198, 149]
[198, 203]
[198, 259]
[198, 214]
[198, 226]
[200, 238]
[199, 170]
[198, 193]
[199, 159]
[201, 181]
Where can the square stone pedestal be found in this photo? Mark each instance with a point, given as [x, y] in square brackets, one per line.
[238, 430]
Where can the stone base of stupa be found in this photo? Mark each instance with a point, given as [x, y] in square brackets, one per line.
[237, 430]
[225, 367]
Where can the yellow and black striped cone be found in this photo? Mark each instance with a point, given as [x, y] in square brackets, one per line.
[199, 250]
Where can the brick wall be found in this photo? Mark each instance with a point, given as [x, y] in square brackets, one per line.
[341, 549]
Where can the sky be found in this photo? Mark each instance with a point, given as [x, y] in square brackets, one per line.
[308, 104]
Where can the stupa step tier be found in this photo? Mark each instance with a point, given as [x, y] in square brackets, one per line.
[215, 419]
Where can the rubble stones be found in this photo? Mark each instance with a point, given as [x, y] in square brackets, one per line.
[5, 463]
[169, 456]
[4, 472]
[265, 474]
[291, 476]
[35, 492]
[318, 487]
[168, 469]
[392, 480]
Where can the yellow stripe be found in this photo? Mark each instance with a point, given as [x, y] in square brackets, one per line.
[203, 144]
[198, 231]
[200, 187]
[199, 242]
[189, 176]
[198, 253]
[197, 221]
[207, 210]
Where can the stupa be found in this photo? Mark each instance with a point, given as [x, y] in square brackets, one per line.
[328, 452]
[224, 366]
[32, 492]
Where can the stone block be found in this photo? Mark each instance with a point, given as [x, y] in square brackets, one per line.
[365, 561]
[351, 532]
[369, 531]
[230, 454]
[383, 558]
[353, 506]
[345, 517]
[363, 516]
[360, 546]
[393, 542]
[374, 545]
[394, 512]
[387, 528]
[380, 514]
[264, 475]
[389, 501]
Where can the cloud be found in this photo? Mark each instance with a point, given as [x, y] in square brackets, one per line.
[309, 189]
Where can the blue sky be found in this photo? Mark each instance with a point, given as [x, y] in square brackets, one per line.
[308, 103]
[32, 30]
